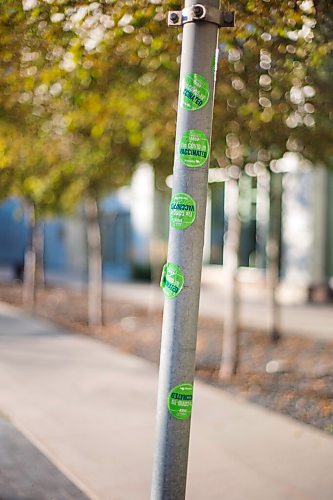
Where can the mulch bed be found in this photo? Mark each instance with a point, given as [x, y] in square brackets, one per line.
[294, 376]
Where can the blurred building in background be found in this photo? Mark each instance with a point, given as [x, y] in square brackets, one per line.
[306, 236]
[134, 227]
[13, 236]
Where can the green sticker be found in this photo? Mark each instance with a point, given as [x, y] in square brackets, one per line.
[194, 92]
[180, 401]
[183, 211]
[172, 280]
[194, 148]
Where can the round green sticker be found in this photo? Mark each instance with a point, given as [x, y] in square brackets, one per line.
[194, 92]
[183, 211]
[172, 280]
[180, 401]
[194, 148]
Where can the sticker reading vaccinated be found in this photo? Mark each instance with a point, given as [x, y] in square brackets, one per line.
[172, 280]
[194, 148]
[183, 211]
[180, 401]
[194, 92]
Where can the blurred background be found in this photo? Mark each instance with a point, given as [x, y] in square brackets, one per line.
[88, 100]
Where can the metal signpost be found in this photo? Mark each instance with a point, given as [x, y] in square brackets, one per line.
[182, 273]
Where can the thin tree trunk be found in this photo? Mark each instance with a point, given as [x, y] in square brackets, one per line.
[158, 247]
[95, 280]
[29, 276]
[273, 252]
[230, 345]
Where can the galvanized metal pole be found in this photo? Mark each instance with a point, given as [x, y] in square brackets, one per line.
[182, 273]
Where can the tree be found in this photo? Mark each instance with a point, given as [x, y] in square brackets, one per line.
[274, 92]
[100, 76]
[230, 347]
[273, 249]
[62, 74]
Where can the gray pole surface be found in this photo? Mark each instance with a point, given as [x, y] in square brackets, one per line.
[179, 333]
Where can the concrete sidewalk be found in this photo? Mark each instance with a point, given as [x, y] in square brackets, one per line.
[91, 410]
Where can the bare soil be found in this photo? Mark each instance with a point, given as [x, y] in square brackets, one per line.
[294, 376]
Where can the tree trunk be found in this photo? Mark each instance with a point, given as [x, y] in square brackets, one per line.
[158, 243]
[158, 247]
[230, 346]
[29, 276]
[273, 252]
[95, 279]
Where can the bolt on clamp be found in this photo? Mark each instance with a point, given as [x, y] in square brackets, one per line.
[201, 12]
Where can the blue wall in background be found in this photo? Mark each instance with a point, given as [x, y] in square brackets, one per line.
[13, 233]
[55, 255]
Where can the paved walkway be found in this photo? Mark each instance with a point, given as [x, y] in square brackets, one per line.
[90, 409]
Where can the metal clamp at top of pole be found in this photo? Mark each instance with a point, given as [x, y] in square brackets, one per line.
[200, 12]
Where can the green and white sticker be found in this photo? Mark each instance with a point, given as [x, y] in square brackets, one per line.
[180, 401]
[172, 280]
[194, 92]
[183, 211]
[194, 148]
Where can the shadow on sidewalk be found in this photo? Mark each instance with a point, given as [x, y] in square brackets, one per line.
[26, 474]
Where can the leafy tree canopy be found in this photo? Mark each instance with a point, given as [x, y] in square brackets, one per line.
[95, 83]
